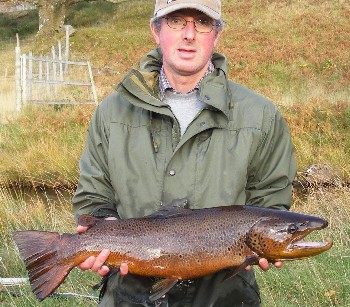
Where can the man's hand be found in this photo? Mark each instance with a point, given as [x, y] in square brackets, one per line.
[265, 266]
[96, 264]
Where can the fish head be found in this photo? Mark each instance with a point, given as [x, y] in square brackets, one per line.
[279, 237]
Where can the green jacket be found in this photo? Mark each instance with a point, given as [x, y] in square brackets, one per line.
[237, 151]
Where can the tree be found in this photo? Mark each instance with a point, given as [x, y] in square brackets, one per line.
[52, 13]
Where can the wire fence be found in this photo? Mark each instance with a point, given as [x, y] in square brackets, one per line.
[53, 78]
[44, 79]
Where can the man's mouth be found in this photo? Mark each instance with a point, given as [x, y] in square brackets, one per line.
[185, 51]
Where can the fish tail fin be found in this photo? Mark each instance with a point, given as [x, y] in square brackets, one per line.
[39, 250]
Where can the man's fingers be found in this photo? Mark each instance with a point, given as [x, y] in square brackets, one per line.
[111, 218]
[264, 264]
[278, 264]
[87, 264]
[123, 269]
[104, 270]
[100, 260]
[81, 229]
[92, 263]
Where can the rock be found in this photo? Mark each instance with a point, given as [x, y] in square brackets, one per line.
[318, 175]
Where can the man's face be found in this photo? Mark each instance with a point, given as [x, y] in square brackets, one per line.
[185, 52]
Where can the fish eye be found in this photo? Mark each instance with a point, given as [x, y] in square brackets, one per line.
[292, 228]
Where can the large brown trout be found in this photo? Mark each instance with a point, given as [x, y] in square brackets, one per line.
[174, 244]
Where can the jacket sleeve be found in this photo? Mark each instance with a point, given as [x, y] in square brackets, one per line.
[94, 194]
[272, 168]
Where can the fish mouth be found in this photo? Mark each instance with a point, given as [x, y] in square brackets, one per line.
[325, 245]
[301, 249]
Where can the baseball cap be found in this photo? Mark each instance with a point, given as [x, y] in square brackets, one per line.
[212, 8]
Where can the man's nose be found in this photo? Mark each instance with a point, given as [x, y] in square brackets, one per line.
[190, 30]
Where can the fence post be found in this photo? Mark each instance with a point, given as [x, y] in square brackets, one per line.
[67, 48]
[60, 60]
[48, 89]
[18, 76]
[24, 78]
[92, 83]
[40, 74]
[30, 75]
[54, 68]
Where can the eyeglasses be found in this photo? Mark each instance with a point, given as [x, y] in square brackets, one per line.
[202, 24]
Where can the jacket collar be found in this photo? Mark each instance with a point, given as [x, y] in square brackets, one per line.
[214, 89]
[152, 62]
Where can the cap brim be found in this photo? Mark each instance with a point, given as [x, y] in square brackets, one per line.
[211, 13]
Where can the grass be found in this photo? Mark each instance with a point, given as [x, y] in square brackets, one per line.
[318, 128]
[295, 52]
[24, 23]
[42, 146]
[7, 98]
[84, 14]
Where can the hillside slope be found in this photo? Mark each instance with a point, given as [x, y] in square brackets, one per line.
[295, 52]
[288, 50]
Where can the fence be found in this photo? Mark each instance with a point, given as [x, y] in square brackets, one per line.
[53, 79]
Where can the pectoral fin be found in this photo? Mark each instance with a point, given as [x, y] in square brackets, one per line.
[161, 287]
[248, 261]
[105, 278]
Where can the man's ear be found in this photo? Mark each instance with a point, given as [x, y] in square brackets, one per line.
[217, 38]
[155, 32]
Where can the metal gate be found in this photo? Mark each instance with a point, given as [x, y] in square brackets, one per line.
[53, 79]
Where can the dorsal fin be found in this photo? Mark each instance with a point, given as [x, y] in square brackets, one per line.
[88, 220]
[176, 208]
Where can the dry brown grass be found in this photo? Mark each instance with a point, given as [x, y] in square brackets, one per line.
[7, 98]
[321, 133]
[289, 50]
[43, 145]
[295, 33]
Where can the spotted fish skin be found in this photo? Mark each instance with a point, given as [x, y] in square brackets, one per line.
[175, 245]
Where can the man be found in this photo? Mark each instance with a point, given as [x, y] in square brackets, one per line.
[177, 128]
